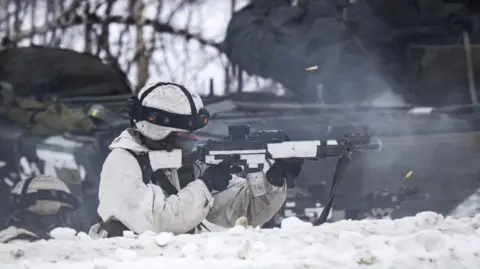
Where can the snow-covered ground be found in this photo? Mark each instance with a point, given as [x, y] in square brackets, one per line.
[425, 241]
[469, 207]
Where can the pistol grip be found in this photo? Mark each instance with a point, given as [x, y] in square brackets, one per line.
[290, 179]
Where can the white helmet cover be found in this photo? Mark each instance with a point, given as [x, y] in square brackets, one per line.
[44, 195]
[170, 98]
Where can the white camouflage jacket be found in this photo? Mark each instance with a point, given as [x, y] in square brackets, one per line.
[145, 207]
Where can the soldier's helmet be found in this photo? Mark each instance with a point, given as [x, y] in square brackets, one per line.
[43, 195]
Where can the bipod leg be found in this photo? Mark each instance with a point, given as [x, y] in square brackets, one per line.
[340, 169]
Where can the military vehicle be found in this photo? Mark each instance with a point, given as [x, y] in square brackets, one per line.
[362, 48]
[438, 148]
[418, 53]
[430, 138]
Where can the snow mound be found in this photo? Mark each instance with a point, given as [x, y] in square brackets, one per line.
[63, 234]
[427, 240]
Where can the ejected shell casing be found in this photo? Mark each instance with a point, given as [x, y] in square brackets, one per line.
[311, 68]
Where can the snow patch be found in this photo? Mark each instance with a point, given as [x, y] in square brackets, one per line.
[125, 254]
[427, 240]
[190, 249]
[293, 223]
[237, 230]
[163, 239]
[63, 234]
[129, 234]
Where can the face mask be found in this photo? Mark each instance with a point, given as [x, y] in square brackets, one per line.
[177, 140]
[185, 141]
[156, 144]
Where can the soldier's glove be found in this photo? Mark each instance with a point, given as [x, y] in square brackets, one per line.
[217, 177]
[282, 169]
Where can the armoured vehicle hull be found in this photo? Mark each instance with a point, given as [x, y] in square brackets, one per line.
[75, 159]
[424, 52]
[439, 148]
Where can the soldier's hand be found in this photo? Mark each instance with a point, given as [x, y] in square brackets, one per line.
[217, 177]
[282, 169]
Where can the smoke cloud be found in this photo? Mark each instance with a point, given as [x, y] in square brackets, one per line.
[365, 62]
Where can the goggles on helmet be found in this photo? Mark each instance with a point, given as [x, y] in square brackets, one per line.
[195, 121]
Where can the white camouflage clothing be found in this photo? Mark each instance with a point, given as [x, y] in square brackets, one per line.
[144, 207]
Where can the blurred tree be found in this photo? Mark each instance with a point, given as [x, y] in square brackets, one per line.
[177, 40]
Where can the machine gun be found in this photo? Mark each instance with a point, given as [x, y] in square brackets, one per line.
[256, 149]
[253, 149]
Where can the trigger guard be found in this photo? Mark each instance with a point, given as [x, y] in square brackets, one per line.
[249, 170]
[268, 164]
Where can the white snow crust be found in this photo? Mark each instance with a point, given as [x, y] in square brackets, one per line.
[427, 240]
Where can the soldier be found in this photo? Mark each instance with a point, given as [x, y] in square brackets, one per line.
[38, 205]
[135, 195]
